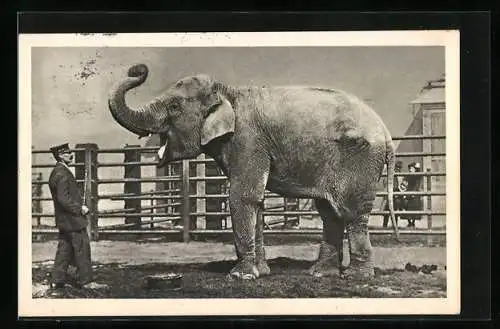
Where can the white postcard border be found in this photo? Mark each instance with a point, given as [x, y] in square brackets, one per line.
[192, 307]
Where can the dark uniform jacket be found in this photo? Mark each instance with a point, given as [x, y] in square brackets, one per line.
[67, 200]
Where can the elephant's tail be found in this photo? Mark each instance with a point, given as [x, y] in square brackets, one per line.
[391, 160]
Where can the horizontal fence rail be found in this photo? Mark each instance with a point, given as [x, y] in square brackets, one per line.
[117, 231]
[226, 213]
[181, 198]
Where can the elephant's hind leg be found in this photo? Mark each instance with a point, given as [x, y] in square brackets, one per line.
[330, 252]
[362, 172]
[361, 252]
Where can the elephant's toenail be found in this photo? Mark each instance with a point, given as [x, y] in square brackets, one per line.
[248, 277]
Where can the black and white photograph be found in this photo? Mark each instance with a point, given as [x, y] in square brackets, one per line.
[257, 173]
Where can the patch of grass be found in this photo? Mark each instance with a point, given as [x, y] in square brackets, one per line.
[288, 280]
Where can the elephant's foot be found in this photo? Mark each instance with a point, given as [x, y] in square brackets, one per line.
[245, 270]
[359, 270]
[327, 263]
[263, 268]
[324, 268]
[361, 264]
[354, 274]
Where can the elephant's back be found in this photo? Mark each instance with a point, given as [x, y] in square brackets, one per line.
[323, 110]
[311, 113]
[357, 112]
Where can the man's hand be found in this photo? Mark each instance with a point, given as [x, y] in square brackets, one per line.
[85, 210]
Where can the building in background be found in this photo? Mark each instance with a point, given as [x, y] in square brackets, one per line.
[428, 111]
[429, 119]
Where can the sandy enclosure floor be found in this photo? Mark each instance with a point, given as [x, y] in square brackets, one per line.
[122, 266]
[130, 253]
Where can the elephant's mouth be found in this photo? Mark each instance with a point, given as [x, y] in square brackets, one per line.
[162, 156]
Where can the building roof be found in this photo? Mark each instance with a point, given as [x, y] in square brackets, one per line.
[434, 95]
[433, 92]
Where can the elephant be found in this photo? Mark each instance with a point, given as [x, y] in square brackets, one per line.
[310, 142]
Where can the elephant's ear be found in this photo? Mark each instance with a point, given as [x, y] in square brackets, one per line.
[219, 122]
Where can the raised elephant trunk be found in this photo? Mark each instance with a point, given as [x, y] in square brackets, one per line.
[140, 122]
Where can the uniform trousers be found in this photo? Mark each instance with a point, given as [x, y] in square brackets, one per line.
[73, 248]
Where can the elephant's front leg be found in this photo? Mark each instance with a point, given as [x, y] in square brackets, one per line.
[260, 252]
[246, 196]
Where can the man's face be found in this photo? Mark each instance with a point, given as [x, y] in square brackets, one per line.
[66, 157]
[412, 169]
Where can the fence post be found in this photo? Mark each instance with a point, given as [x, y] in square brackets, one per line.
[132, 171]
[89, 186]
[38, 202]
[36, 205]
[185, 201]
[297, 208]
[291, 204]
[200, 190]
[213, 222]
[169, 171]
[161, 186]
[151, 204]
[430, 239]
[35, 189]
[285, 208]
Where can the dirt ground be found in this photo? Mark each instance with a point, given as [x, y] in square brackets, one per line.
[123, 266]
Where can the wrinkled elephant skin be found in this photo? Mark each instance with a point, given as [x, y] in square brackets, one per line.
[303, 142]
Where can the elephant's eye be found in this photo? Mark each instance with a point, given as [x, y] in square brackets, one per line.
[168, 121]
[174, 107]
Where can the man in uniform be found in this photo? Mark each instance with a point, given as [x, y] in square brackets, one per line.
[73, 243]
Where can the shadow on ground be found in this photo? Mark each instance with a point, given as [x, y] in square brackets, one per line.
[288, 280]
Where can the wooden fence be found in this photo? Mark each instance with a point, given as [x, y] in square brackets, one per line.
[180, 196]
